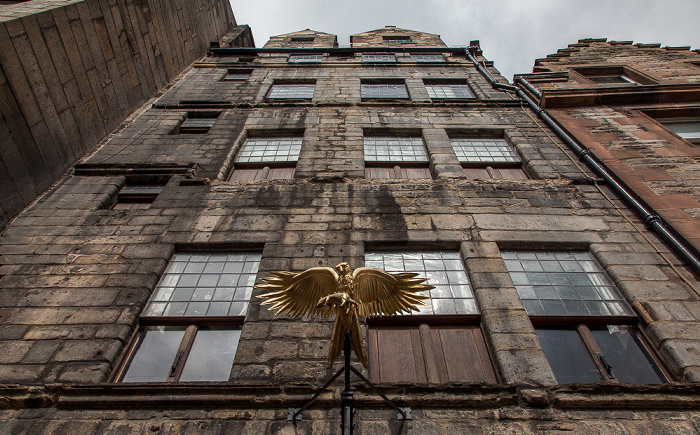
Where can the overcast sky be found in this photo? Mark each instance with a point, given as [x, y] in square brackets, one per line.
[513, 33]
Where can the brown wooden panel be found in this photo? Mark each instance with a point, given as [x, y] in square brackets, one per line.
[463, 351]
[379, 172]
[280, 173]
[476, 173]
[418, 173]
[423, 354]
[245, 174]
[512, 173]
[396, 356]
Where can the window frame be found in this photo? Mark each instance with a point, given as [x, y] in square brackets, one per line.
[505, 170]
[694, 139]
[582, 325]
[266, 170]
[397, 39]
[402, 169]
[237, 74]
[426, 326]
[183, 128]
[428, 84]
[368, 84]
[142, 200]
[367, 58]
[630, 76]
[302, 40]
[314, 58]
[416, 57]
[286, 88]
[191, 325]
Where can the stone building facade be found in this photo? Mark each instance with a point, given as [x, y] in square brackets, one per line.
[72, 71]
[127, 299]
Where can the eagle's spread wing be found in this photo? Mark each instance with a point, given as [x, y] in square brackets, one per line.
[297, 294]
[380, 293]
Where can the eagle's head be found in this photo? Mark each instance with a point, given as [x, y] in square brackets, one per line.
[343, 269]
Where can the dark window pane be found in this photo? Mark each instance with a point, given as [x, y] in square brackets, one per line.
[212, 355]
[568, 357]
[623, 351]
[155, 354]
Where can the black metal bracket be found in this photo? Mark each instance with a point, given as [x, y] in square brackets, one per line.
[348, 408]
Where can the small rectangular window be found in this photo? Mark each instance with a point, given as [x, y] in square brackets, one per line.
[487, 158]
[378, 57]
[384, 91]
[291, 92]
[427, 58]
[687, 128]
[400, 39]
[396, 157]
[198, 123]
[137, 196]
[446, 91]
[305, 58]
[268, 158]
[302, 40]
[238, 74]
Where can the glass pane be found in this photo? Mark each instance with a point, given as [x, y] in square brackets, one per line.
[154, 354]
[483, 150]
[624, 352]
[445, 270]
[211, 357]
[200, 279]
[565, 283]
[568, 357]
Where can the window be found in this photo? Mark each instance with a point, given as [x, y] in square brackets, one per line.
[487, 158]
[584, 325]
[687, 128]
[137, 196]
[384, 90]
[400, 39]
[291, 92]
[427, 58]
[452, 293]
[446, 91]
[305, 58]
[443, 342]
[238, 74]
[191, 324]
[378, 57]
[268, 158]
[395, 157]
[613, 75]
[198, 123]
[302, 40]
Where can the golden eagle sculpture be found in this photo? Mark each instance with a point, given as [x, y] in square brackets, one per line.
[366, 292]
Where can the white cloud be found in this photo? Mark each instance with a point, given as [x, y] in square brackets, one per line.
[513, 33]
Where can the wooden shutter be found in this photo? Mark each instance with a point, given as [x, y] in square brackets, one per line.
[266, 173]
[427, 354]
[398, 172]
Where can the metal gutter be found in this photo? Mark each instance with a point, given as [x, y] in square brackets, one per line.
[653, 221]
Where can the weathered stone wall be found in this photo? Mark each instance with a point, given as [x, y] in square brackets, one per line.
[667, 65]
[72, 71]
[376, 38]
[208, 410]
[75, 275]
[623, 126]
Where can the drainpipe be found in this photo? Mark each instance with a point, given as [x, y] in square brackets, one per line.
[652, 220]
